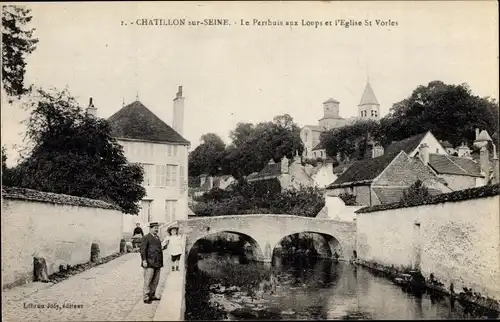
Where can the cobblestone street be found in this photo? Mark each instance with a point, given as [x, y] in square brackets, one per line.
[112, 291]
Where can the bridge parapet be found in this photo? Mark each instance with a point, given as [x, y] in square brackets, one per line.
[267, 230]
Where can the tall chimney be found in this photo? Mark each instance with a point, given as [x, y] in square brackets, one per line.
[91, 110]
[477, 133]
[484, 161]
[178, 121]
[424, 153]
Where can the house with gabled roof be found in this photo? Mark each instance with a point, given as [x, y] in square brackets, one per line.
[382, 179]
[421, 157]
[289, 174]
[163, 153]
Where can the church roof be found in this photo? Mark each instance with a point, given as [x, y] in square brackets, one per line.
[368, 96]
[331, 100]
[136, 121]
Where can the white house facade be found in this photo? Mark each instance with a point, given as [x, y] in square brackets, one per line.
[163, 153]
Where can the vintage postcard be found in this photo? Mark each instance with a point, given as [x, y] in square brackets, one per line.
[234, 160]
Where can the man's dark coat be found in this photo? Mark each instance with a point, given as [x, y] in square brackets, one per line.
[152, 251]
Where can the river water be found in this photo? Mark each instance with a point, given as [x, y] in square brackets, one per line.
[314, 290]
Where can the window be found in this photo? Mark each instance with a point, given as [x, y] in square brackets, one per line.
[169, 150]
[171, 175]
[161, 176]
[146, 210]
[170, 210]
[175, 150]
[148, 174]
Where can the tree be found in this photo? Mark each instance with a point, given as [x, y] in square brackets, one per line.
[207, 157]
[16, 44]
[76, 155]
[350, 141]
[416, 193]
[451, 112]
[254, 145]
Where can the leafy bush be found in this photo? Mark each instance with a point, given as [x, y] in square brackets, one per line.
[247, 200]
[416, 193]
[348, 198]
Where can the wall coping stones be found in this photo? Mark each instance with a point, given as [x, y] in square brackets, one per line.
[460, 195]
[50, 197]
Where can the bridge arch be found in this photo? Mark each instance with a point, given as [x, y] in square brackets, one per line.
[331, 243]
[268, 229]
[249, 244]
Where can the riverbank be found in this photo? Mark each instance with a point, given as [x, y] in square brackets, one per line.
[299, 290]
[471, 302]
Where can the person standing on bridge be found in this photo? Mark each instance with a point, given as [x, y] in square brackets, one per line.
[152, 262]
[174, 244]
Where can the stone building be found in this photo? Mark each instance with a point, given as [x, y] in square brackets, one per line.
[368, 109]
[383, 179]
[163, 153]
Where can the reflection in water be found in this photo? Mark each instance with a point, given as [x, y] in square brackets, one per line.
[316, 290]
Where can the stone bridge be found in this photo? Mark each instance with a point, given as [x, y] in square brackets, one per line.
[265, 231]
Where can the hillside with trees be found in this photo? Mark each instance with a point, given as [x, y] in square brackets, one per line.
[450, 112]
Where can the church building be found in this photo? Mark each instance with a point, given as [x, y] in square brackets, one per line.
[368, 109]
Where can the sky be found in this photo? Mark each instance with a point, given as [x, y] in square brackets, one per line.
[238, 73]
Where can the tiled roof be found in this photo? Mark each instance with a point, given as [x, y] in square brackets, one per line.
[363, 170]
[393, 194]
[270, 170]
[331, 100]
[407, 145]
[446, 164]
[342, 167]
[368, 96]
[136, 121]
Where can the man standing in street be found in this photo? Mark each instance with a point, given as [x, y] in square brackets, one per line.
[152, 262]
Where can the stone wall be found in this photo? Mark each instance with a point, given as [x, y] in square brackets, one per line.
[59, 228]
[456, 240]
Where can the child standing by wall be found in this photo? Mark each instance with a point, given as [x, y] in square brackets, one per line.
[174, 245]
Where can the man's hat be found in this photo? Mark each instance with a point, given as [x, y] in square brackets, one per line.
[153, 224]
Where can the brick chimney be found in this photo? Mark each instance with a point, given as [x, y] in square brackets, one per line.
[484, 161]
[284, 165]
[178, 120]
[423, 152]
[91, 109]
